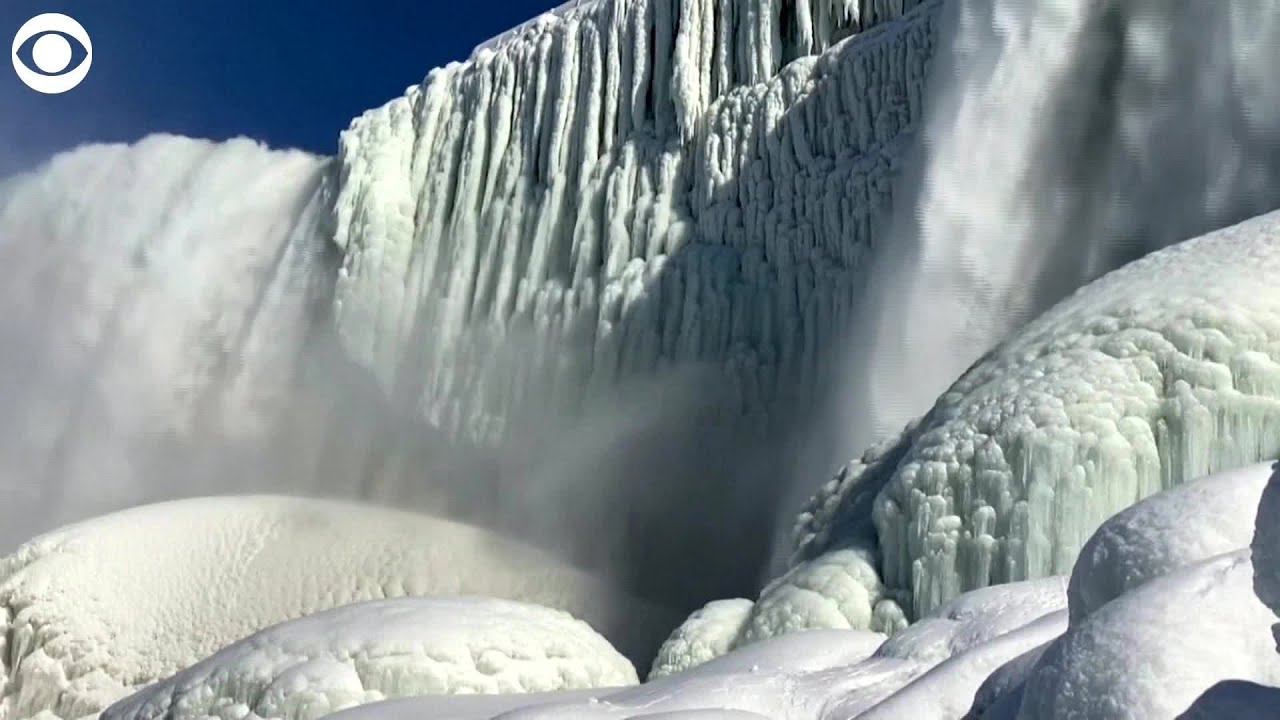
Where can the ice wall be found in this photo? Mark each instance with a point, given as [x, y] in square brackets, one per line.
[633, 183]
[673, 195]
[157, 300]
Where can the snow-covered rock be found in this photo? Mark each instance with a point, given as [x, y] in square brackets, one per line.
[98, 609]
[1173, 529]
[1153, 651]
[357, 654]
[1145, 379]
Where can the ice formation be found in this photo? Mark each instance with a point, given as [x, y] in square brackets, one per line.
[98, 609]
[1155, 650]
[623, 191]
[367, 652]
[1140, 381]
[1168, 531]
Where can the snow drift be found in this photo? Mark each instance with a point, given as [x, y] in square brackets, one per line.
[98, 609]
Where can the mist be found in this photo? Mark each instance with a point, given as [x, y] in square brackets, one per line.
[1062, 139]
[169, 334]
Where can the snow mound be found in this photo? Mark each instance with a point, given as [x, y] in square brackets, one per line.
[817, 674]
[307, 668]
[1140, 381]
[977, 618]
[1154, 650]
[948, 689]
[101, 608]
[1168, 531]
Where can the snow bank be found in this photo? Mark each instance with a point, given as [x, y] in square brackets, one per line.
[98, 609]
[357, 654]
[1144, 379]
[1153, 651]
[1168, 531]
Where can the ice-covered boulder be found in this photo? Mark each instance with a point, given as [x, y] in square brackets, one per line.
[368, 652]
[98, 609]
[1147, 378]
[1173, 529]
[1153, 651]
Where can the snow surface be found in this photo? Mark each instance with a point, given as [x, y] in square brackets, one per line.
[816, 674]
[98, 609]
[367, 652]
[1156, 649]
[1168, 531]
[1144, 379]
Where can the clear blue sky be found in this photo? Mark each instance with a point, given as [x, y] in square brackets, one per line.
[289, 72]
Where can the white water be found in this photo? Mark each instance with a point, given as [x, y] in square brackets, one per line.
[1064, 137]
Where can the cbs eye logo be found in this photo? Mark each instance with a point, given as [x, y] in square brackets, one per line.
[45, 53]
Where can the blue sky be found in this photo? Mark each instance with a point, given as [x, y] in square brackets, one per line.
[289, 72]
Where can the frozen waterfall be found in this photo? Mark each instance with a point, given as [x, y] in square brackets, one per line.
[627, 280]
[1063, 138]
